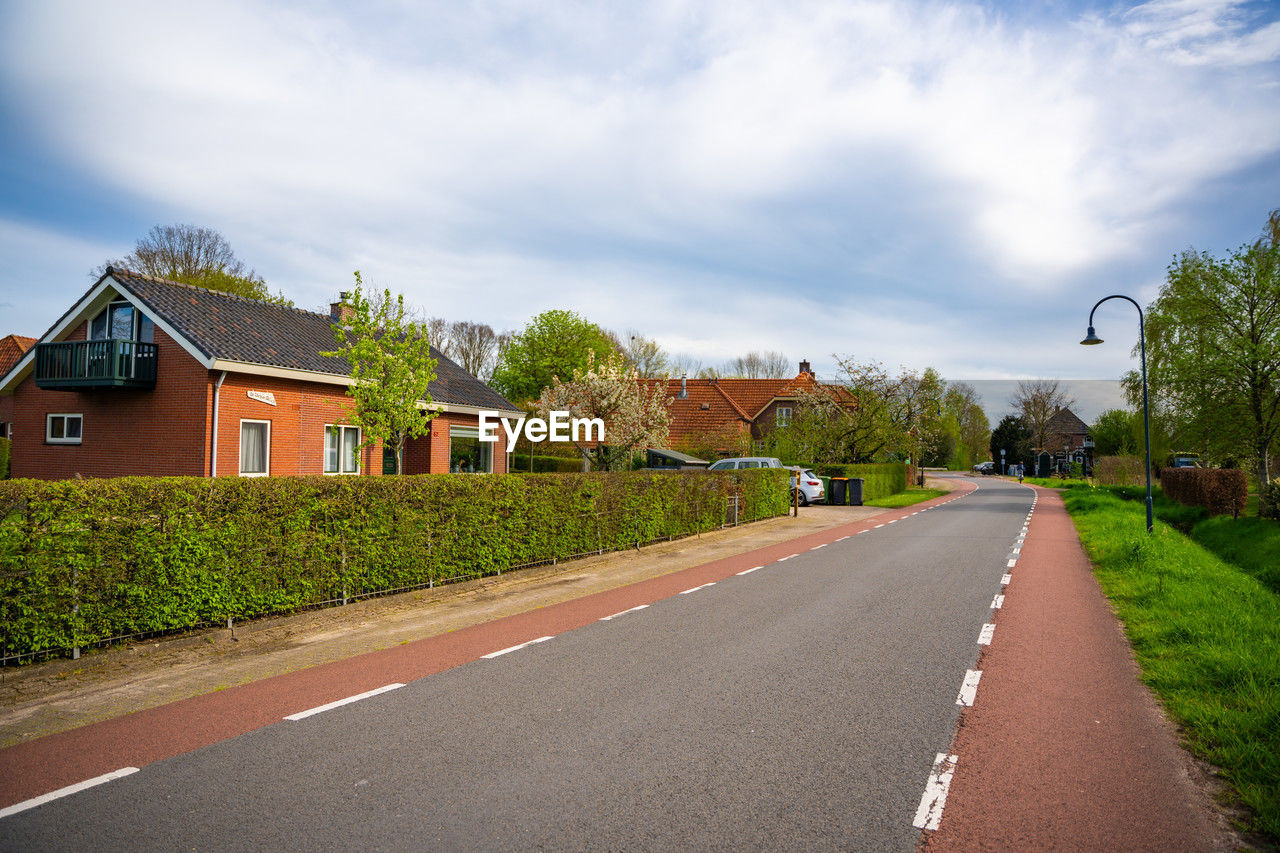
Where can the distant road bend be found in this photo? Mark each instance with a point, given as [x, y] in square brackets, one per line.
[800, 699]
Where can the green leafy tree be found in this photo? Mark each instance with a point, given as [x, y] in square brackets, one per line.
[1213, 351]
[391, 367]
[1117, 432]
[554, 344]
[1013, 436]
[196, 256]
[1037, 401]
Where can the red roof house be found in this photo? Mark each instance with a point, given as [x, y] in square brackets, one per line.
[143, 376]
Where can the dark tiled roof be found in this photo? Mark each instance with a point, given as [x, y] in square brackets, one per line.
[239, 329]
[1065, 422]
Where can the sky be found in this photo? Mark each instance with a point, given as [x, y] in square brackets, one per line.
[946, 184]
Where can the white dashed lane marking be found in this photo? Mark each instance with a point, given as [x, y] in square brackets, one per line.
[501, 652]
[696, 588]
[624, 612]
[66, 792]
[302, 715]
[929, 814]
[984, 637]
[969, 689]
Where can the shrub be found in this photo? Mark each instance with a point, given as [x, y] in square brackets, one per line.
[1119, 471]
[545, 464]
[879, 480]
[82, 561]
[1218, 490]
[1269, 500]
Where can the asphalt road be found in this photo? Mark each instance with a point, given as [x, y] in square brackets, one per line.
[800, 705]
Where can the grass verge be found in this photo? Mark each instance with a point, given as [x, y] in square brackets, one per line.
[907, 498]
[1207, 637]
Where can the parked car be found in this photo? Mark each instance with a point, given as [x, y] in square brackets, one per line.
[811, 490]
[745, 462]
[985, 468]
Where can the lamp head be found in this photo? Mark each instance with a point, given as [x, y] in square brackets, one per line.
[1091, 338]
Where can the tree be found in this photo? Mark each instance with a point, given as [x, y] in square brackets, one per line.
[758, 365]
[1037, 401]
[634, 413]
[1013, 437]
[645, 356]
[1117, 432]
[1213, 350]
[197, 256]
[391, 367]
[868, 414]
[554, 344]
[973, 431]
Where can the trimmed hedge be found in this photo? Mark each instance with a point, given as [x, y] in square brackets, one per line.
[84, 561]
[6, 447]
[1219, 490]
[879, 480]
[545, 464]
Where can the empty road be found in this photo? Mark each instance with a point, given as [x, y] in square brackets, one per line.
[795, 700]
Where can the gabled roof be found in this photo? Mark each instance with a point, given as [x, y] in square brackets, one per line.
[228, 332]
[1065, 422]
[12, 348]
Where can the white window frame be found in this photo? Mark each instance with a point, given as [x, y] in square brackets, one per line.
[782, 420]
[48, 428]
[469, 432]
[240, 450]
[341, 428]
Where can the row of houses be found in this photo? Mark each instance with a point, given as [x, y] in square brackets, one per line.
[143, 376]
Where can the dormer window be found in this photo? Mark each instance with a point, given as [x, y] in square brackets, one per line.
[122, 322]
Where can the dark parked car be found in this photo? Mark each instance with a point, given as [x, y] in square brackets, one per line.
[984, 468]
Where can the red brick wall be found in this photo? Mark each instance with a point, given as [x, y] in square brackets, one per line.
[125, 431]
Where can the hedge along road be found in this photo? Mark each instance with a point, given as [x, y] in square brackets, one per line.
[794, 696]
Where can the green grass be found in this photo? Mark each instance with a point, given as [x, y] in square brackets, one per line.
[1206, 635]
[1251, 544]
[1053, 482]
[907, 498]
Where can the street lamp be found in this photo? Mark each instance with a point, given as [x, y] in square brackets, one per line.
[1090, 339]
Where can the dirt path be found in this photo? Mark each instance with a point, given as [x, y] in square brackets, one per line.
[59, 695]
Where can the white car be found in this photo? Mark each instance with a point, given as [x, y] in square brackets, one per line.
[811, 490]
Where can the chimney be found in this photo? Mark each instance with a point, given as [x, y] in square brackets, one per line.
[340, 312]
[805, 368]
[684, 389]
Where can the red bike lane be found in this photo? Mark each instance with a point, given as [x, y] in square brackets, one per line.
[1064, 747]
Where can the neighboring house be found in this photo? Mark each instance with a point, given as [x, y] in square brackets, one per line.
[12, 348]
[150, 377]
[1068, 439]
[729, 408]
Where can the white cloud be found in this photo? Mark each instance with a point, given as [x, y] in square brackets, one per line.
[638, 165]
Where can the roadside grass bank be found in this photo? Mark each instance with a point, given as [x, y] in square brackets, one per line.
[907, 498]
[1206, 636]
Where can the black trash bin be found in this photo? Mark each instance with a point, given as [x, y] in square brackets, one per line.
[855, 491]
[839, 491]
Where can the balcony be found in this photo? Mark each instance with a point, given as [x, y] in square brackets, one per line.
[73, 365]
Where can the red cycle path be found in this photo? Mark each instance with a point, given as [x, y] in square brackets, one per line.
[31, 769]
[1064, 747]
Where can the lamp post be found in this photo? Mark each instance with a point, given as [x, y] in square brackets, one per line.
[1090, 339]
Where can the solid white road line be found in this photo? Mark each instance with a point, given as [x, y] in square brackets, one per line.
[984, 636]
[329, 707]
[969, 690]
[1004, 581]
[65, 792]
[624, 612]
[696, 588]
[750, 570]
[501, 652]
[929, 815]
[997, 602]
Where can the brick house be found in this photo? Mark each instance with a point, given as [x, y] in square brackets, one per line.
[143, 376]
[748, 409]
[1067, 439]
[12, 348]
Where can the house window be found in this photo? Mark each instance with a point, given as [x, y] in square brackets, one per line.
[783, 417]
[341, 449]
[467, 453]
[63, 429]
[255, 448]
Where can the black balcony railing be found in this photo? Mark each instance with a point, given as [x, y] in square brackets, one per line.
[96, 364]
